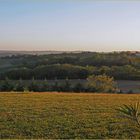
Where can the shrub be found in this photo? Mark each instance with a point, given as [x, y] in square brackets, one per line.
[101, 83]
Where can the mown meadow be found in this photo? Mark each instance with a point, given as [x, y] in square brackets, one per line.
[65, 115]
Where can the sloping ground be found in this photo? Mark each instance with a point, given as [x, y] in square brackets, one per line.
[60, 115]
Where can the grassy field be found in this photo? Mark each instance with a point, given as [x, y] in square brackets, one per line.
[64, 115]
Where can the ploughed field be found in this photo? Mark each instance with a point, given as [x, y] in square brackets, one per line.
[65, 115]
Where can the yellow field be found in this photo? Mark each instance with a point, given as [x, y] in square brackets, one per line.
[65, 115]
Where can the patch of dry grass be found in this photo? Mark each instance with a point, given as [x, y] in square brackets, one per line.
[64, 115]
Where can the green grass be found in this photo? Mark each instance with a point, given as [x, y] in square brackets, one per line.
[64, 115]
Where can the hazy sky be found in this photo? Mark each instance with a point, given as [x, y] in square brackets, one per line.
[69, 25]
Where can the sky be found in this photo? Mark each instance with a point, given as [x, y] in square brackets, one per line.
[70, 25]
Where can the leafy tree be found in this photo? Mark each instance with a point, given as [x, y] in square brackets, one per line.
[101, 83]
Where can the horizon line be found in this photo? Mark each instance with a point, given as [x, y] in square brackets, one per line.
[13, 50]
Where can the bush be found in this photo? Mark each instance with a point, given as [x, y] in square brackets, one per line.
[101, 83]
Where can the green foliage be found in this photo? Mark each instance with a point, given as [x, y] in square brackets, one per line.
[101, 83]
[19, 86]
[7, 85]
[67, 86]
[123, 66]
[33, 86]
[44, 86]
[131, 112]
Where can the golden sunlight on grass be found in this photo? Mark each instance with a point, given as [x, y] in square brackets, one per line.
[64, 115]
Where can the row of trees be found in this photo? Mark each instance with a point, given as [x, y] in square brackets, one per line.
[100, 83]
[121, 66]
[81, 59]
[63, 71]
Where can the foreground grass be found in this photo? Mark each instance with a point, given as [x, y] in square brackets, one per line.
[64, 115]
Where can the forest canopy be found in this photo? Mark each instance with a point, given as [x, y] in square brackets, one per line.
[119, 65]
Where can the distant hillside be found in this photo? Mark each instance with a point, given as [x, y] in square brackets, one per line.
[10, 53]
[60, 65]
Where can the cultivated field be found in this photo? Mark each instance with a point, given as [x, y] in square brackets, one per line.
[64, 115]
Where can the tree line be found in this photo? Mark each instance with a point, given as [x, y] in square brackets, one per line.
[120, 65]
[63, 71]
[100, 83]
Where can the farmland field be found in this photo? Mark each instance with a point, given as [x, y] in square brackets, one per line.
[65, 115]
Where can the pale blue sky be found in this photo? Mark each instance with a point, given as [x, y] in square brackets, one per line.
[69, 25]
